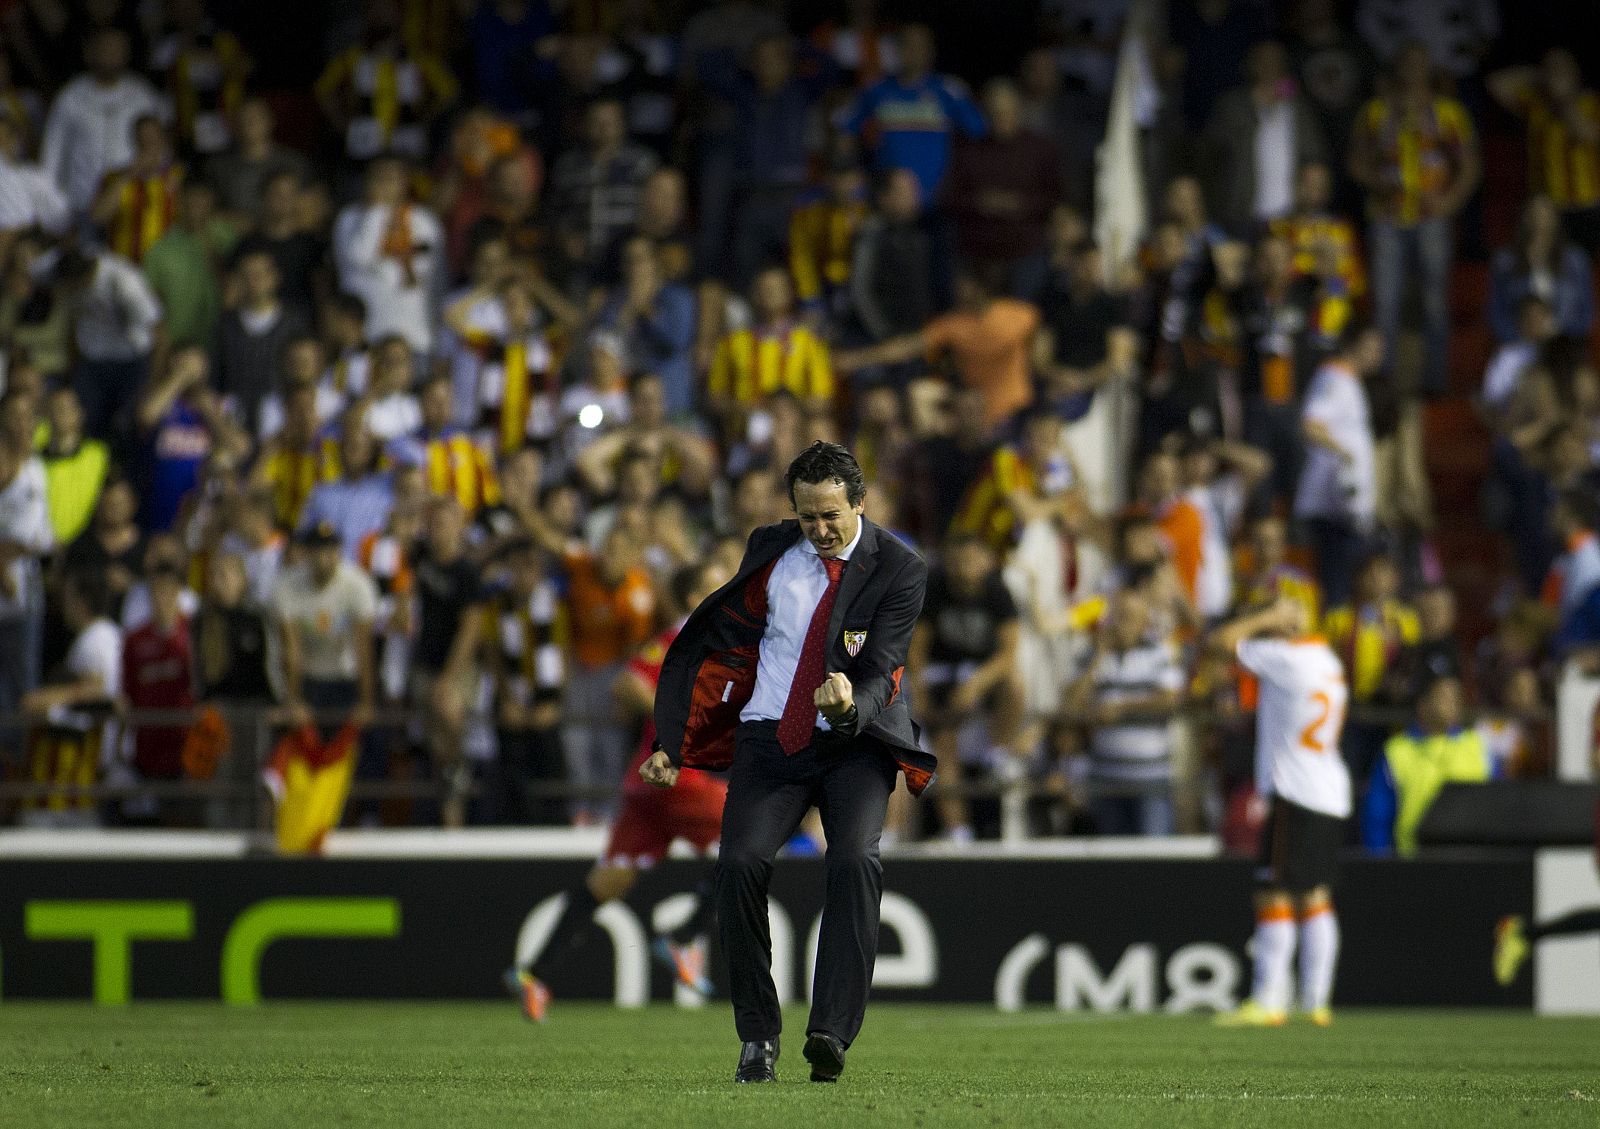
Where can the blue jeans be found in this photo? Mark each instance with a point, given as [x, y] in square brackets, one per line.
[1337, 545]
[1149, 815]
[1421, 253]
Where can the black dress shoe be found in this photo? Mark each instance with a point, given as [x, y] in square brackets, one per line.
[826, 1056]
[758, 1062]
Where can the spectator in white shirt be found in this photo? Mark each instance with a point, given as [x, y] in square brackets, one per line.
[118, 319]
[389, 252]
[28, 198]
[90, 128]
[1536, 325]
[1337, 498]
[389, 407]
[25, 534]
[1133, 685]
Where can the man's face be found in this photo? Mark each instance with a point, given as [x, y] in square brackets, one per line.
[258, 278]
[393, 362]
[108, 55]
[1378, 581]
[1440, 707]
[1368, 356]
[324, 562]
[827, 518]
[1042, 439]
[561, 509]
[150, 139]
[1004, 110]
[1436, 613]
[916, 51]
[606, 128]
[65, 413]
[303, 362]
[970, 565]
[771, 64]
[164, 590]
[255, 122]
[1269, 544]
[386, 183]
[18, 420]
[300, 410]
[1184, 202]
[445, 526]
[198, 205]
[527, 569]
[1129, 619]
[638, 482]
[1274, 261]
[436, 405]
[358, 450]
[647, 403]
[1159, 481]
[902, 197]
[771, 293]
[1313, 187]
[117, 505]
[1559, 71]
[662, 199]
[1414, 68]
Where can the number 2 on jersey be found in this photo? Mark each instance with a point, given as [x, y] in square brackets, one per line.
[1313, 737]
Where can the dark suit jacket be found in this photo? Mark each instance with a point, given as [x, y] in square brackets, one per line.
[710, 670]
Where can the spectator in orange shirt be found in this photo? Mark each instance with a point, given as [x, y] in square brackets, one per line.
[1161, 497]
[993, 340]
[612, 611]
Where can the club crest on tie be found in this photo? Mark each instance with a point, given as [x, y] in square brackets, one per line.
[853, 642]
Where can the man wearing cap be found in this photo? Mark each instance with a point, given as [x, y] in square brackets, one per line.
[323, 609]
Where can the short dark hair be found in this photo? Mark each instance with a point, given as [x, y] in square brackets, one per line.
[351, 305]
[827, 462]
[89, 586]
[1581, 505]
[685, 581]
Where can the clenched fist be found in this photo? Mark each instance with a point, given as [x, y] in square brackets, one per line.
[658, 770]
[834, 698]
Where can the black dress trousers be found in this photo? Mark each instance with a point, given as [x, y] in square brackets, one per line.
[849, 781]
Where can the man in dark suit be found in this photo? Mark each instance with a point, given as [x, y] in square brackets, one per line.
[790, 673]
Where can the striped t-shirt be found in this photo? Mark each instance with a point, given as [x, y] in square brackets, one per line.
[1136, 757]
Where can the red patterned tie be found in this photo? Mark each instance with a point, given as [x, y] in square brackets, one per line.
[800, 711]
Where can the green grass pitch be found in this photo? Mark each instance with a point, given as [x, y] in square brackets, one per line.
[591, 1066]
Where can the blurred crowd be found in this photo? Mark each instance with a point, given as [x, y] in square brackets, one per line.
[406, 401]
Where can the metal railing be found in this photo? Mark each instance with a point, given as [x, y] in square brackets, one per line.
[235, 796]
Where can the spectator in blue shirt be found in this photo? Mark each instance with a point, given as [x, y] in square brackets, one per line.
[656, 321]
[910, 120]
[772, 116]
[359, 501]
[1544, 264]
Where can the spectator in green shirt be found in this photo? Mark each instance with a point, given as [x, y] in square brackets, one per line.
[185, 266]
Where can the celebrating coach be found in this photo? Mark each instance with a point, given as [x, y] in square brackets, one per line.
[791, 673]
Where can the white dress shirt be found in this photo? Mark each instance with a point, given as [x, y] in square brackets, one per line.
[794, 589]
[1275, 160]
[118, 313]
[1331, 487]
[394, 304]
[90, 132]
[29, 198]
[25, 521]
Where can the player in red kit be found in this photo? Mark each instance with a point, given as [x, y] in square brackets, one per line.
[650, 820]
[158, 674]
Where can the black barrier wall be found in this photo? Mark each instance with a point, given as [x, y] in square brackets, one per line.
[1108, 935]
